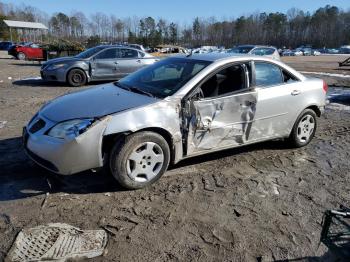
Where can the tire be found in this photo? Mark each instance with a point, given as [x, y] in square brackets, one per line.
[76, 77]
[304, 129]
[21, 56]
[139, 160]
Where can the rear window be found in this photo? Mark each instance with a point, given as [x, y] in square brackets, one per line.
[267, 74]
[263, 51]
[241, 49]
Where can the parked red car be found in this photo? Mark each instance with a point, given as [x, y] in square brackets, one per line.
[28, 51]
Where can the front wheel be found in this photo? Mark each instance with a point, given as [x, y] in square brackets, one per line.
[76, 77]
[21, 56]
[304, 129]
[140, 159]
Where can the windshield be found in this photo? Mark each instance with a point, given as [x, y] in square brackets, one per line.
[241, 49]
[163, 78]
[89, 52]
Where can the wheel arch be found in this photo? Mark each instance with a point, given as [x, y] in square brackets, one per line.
[315, 108]
[109, 140]
[312, 107]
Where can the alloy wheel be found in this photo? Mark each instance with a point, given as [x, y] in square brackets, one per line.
[145, 162]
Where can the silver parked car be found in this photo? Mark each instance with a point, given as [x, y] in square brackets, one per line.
[268, 51]
[177, 108]
[96, 64]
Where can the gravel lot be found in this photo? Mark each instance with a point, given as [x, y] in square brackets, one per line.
[258, 203]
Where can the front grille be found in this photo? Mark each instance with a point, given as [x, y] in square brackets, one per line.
[39, 124]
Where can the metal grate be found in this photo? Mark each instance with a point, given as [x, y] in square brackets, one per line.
[57, 242]
[336, 231]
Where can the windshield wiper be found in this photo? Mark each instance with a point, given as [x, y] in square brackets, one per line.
[121, 86]
[140, 91]
[134, 89]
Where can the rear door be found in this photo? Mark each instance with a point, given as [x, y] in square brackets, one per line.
[129, 61]
[279, 93]
[104, 66]
[33, 51]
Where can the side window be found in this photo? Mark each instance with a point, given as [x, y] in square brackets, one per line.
[107, 54]
[128, 53]
[226, 81]
[267, 74]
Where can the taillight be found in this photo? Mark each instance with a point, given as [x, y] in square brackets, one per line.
[325, 86]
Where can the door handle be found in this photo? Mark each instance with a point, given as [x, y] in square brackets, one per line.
[138, 61]
[116, 63]
[295, 92]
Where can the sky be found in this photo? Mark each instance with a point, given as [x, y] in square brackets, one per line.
[177, 10]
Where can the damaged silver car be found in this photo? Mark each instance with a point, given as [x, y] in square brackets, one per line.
[177, 108]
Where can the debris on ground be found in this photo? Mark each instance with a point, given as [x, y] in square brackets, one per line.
[57, 241]
[2, 124]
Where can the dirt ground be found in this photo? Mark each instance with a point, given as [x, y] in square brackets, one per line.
[258, 203]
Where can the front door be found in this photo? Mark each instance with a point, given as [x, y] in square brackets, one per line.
[221, 112]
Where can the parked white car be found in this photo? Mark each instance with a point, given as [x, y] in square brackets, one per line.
[177, 108]
[268, 51]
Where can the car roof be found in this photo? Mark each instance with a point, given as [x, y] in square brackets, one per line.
[124, 46]
[254, 46]
[214, 57]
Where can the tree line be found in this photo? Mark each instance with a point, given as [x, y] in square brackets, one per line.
[328, 26]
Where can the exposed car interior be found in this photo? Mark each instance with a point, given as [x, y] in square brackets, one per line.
[228, 80]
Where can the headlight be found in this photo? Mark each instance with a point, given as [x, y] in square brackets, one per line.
[55, 66]
[71, 128]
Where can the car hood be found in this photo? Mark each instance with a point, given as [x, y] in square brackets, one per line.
[63, 60]
[93, 102]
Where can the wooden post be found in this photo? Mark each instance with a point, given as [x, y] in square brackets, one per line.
[10, 34]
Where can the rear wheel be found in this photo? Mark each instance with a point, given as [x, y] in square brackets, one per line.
[21, 56]
[140, 159]
[304, 129]
[76, 77]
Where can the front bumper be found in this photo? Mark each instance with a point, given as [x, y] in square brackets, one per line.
[54, 75]
[65, 156]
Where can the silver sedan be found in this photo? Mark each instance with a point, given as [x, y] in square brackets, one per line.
[177, 108]
[100, 63]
